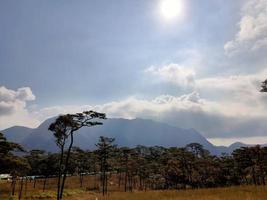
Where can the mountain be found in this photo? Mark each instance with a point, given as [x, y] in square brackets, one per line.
[17, 133]
[238, 145]
[126, 132]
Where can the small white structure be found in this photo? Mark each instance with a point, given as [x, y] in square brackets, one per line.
[5, 177]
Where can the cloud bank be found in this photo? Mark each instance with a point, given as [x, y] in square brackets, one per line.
[240, 113]
[212, 119]
[252, 29]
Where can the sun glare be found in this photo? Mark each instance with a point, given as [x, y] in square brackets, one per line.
[171, 9]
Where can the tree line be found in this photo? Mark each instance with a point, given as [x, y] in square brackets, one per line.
[141, 167]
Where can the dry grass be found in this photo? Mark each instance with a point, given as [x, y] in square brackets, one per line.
[74, 192]
[72, 189]
[231, 193]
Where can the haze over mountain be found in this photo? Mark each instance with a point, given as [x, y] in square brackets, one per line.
[126, 132]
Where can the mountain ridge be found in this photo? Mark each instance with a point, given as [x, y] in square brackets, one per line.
[127, 132]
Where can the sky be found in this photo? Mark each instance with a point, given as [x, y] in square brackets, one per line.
[188, 63]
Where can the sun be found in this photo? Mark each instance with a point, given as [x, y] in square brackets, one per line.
[171, 9]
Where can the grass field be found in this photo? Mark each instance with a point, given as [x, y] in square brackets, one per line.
[33, 190]
[74, 192]
[231, 193]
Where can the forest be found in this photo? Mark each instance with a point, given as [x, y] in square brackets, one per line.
[130, 169]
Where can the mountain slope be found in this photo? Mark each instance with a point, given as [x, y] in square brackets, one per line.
[126, 132]
[17, 133]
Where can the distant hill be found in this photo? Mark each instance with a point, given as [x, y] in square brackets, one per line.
[17, 133]
[126, 132]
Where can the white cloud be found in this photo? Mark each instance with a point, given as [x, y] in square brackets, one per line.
[252, 33]
[240, 114]
[177, 74]
[25, 94]
[237, 94]
[132, 107]
[192, 97]
[13, 107]
[247, 85]
[12, 101]
[212, 119]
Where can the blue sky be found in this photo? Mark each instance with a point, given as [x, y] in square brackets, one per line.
[202, 69]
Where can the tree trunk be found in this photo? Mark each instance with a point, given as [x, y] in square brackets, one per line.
[81, 180]
[262, 176]
[104, 176]
[131, 183]
[246, 180]
[66, 167]
[21, 188]
[34, 183]
[254, 176]
[106, 184]
[26, 184]
[119, 179]
[13, 186]
[125, 182]
[140, 183]
[263, 179]
[44, 184]
[60, 172]
[95, 180]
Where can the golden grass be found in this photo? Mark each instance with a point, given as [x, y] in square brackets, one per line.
[72, 189]
[231, 193]
[74, 192]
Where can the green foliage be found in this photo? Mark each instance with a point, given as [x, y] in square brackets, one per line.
[9, 162]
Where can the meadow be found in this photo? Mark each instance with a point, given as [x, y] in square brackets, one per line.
[90, 191]
[230, 193]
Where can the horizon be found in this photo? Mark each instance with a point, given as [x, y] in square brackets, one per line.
[168, 62]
